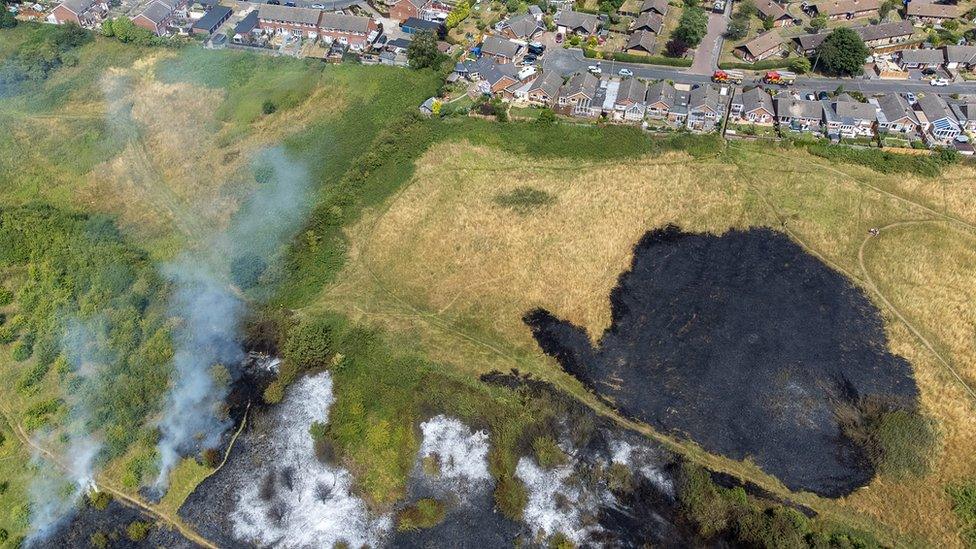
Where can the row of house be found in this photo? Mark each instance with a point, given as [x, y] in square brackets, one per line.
[951, 57]
[878, 38]
[356, 32]
[931, 117]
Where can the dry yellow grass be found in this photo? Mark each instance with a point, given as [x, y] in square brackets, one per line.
[450, 272]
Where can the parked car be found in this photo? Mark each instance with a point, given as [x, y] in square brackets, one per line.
[559, 38]
[317, 6]
[823, 95]
[594, 69]
[626, 72]
[536, 48]
[939, 82]
[911, 98]
[928, 71]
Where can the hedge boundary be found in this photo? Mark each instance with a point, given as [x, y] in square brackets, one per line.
[624, 57]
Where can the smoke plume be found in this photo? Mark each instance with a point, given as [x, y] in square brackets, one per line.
[207, 301]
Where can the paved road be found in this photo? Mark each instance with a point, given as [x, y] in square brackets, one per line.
[708, 52]
[569, 61]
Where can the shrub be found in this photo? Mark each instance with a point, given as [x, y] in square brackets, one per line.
[6, 296]
[310, 344]
[99, 500]
[268, 107]
[99, 540]
[620, 478]
[560, 541]
[547, 452]
[883, 161]
[524, 200]
[31, 376]
[964, 506]
[22, 349]
[800, 65]
[137, 530]
[511, 497]
[900, 443]
[426, 513]
[546, 117]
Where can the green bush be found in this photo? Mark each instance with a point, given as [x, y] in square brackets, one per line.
[764, 65]
[624, 57]
[964, 506]
[31, 376]
[6, 296]
[426, 513]
[511, 497]
[901, 443]
[99, 540]
[310, 344]
[268, 107]
[883, 161]
[137, 530]
[22, 349]
[547, 452]
[559, 540]
[99, 500]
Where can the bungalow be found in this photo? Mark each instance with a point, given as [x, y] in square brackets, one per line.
[574, 22]
[753, 106]
[850, 118]
[705, 107]
[244, 29]
[208, 24]
[921, 59]
[965, 112]
[761, 47]
[921, 12]
[939, 122]
[774, 12]
[631, 101]
[414, 25]
[70, 11]
[521, 27]
[499, 77]
[641, 42]
[356, 31]
[406, 9]
[156, 16]
[836, 10]
[501, 50]
[798, 114]
[876, 37]
[895, 115]
[544, 90]
[648, 21]
[960, 57]
[659, 7]
[577, 95]
[276, 19]
[665, 102]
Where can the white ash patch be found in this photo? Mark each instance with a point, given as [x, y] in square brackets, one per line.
[461, 454]
[642, 460]
[557, 503]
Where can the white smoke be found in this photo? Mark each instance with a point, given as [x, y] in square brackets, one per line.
[306, 503]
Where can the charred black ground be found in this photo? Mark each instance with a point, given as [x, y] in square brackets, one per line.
[749, 346]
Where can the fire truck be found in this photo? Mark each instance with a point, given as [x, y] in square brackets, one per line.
[723, 77]
[780, 78]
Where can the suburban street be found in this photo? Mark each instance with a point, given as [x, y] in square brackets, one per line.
[568, 61]
[708, 52]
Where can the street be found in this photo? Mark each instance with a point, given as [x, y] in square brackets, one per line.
[708, 52]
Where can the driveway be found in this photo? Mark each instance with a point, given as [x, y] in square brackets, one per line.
[708, 52]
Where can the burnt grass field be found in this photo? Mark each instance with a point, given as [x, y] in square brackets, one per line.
[747, 345]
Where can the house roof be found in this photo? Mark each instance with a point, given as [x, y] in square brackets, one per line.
[928, 56]
[920, 8]
[156, 12]
[809, 42]
[492, 72]
[77, 6]
[548, 83]
[581, 82]
[763, 43]
[934, 107]
[840, 7]
[213, 18]
[642, 39]
[789, 106]
[577, 20]
[855, 110]
[893, 107]
[421, 24]
[772, 10]
[631, 91]
[756, 98]
[535, 10]
[345, 23]
[522, 26]
[661, 92]
[416, 3]
[884, 30]
[286, 14]
[960, 54]
[649, 21]
[247, 23]
[704, 96]
[660, 6]
[401, 43]
[500, 47]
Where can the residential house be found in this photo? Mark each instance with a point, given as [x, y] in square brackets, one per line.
[575, 22]
[775, 12]
[761, 47]
[753, 106]
[521, 27]
[70, 11]
[502, 50]
[836, 10]
[499, 78]
[413, 25]
[706, 107]
[879, 37]
[641, 42]
[965, 112]
[648, 21]
[659, 7]
[355, 31]
[798, 114]
[665, 102]
[895, 115]
[276, 19]
[922, 11]
[938, 122]
[921, 59]
[850, 118]
[631, 101]
[244, 30]
[960, 57]
[156, 16]
[401, 10]
[577, 96]
[208, 24]
[544, 90]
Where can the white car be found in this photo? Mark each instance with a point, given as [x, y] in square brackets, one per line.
[626, 72]
[594, 69]
[911, 98]
[939, 82]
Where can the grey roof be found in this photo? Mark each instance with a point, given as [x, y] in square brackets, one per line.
[884, 30]
[247, 24]
[924, 56]
[649, 21]
[755, 98]
[809, 42]
[920, 8]
[580, 82]
[893, 106]
[213, 18]
[960, 54]
[78, 6]
[271, 12]
[344, 23]
[772, 10]
[401, 43]
[490, 71]
[642, 39]
[493, 45]
[789, 106]
[535, 10]
[855, 110]
[631, 91]
[661, 91]
[705, 95]
[156, 12]
[549, 82]
[576, 20]
[934, 107]
[839, 7]
[660, 6]
[763, 43]
[523, 26]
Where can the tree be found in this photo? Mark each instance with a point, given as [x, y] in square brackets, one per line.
[309, 345]
[7, 19]
[768, 23]
[738, 28]
[842, 53]
[107, 29]
[546, 117]
[692, 27]
[818, 23]
[422, 51]
[746, 9]
[800, 65]
[886, 8]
